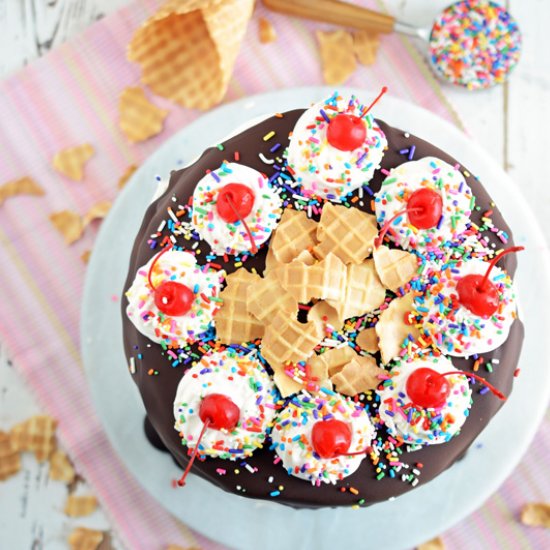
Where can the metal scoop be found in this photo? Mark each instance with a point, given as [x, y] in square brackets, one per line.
[472, 43]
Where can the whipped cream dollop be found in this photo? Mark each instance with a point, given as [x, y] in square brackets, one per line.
[434, 174]
[455, 329]
[292, 439]
[417, 425]
[242, 379]
[181, 267]
[232, 237]
[324, 170]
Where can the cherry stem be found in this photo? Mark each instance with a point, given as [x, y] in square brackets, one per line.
[229, 200]
[498, 393]
[382, 92]
[495, 260]
[169, 247]
[181, 481]
[386, 227]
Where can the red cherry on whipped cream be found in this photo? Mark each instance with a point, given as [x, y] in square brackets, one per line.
[430, 389]
[235, 202]
[331, 438]
[479, 295]
[173, 298]
[219, 411]
[346, 132]
[424, 208]
[427, 388]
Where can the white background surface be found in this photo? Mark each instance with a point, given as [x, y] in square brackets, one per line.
[511, 122]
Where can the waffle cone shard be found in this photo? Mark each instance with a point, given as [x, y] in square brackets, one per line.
[286, 340]
[337, 55]
[393, 330]
[71, 161]
[333, 360]
[363, 292]
[187, 50]
[37, 435]
[78, 506]
[139, 119]
[234, 325]
[285, 384]
[323, 280]
[367, 339]
[10, 462]
[61, 468]
[266, 297]
[83, 538]
[360, 375]
[348, 233]
[324, 314]
[294, 234]
[394, 267]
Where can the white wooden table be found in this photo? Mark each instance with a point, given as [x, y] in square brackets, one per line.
[511, 122]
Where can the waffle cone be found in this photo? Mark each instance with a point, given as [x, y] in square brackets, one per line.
[323, 280]
[288, 341]
[360, 375]
[294, 235]
[10, 462]
[394, 267]
[187, 50]
[333, 360]
[234, 325]
[324, 314]
[367, 339]
[61, 468]
[37, 434]
[392, 330]
[347, 232]
[266, 297]
[363, 292]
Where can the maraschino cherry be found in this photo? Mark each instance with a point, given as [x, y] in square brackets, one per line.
[331, 438]
[429, 389]
[235, 202]
[348, 132]
[172, 298]
[218, 412]
[479, 295]
[424, 208]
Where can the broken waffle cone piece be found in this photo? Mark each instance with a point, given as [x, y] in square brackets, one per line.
[71, 161]
[79, 506]
[266, 31]
[360, 375]
[433, 544]
[21, 186]
[536, 514]
[348, 233]
[83, 538]
[10, 462]
[97, 211]
[323, 280]
[123, 180]
[69, 224]
[337, 56]
[393, 327]
[367, 339]
[266, 297]
[37, 435]
[187, 50]
[285, 384]
[139, 119]
[333, 360]
[305, 257]
[294, 234]
[324, 314]
[363, 291]
[286, 340]
[394, 267]
[234, 325]
[61, 468]
[365, 46]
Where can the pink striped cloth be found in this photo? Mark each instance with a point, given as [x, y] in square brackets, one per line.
[70, 97]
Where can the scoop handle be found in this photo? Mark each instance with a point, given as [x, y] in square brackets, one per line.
[334, 11]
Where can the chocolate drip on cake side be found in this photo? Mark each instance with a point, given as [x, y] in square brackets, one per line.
[158, 391]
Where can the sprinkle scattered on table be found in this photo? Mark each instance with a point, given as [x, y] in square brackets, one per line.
[266, 31]
[71, 161]
[139, 119]
[337, 57]
[21, 186]
[69, 224]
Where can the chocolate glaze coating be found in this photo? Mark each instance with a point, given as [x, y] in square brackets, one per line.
[158, 392]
